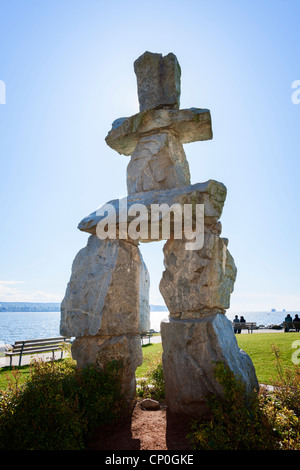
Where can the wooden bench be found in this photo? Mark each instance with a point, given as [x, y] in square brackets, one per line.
[290, 325]
[146, 334]
[33, 346]
[250, 326]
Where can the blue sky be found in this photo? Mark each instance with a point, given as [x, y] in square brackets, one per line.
[68, 70]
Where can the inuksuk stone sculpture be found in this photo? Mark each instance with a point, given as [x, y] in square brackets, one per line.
[106, 305]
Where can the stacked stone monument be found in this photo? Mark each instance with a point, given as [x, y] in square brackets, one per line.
[106, 305]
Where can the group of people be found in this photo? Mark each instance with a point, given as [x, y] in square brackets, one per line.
[289, 323]
[237, 322]
[292, 323]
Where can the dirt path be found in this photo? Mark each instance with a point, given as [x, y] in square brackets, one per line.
[144, 430]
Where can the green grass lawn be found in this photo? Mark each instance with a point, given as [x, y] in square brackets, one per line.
[257, 345]
[150, 351]
[10, 374]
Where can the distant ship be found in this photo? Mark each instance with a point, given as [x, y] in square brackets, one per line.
[273, 310]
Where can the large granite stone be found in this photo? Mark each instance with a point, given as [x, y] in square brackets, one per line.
[189, 125]
[100, 350]
[158, 162]
[211, 194]
[107, 291]
[190, 350]
[158, 80]
[197, 283]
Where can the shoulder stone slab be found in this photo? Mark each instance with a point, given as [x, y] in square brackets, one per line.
[211, 194]
[189, 125]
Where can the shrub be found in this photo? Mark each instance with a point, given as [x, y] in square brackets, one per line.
[236, 420]
[59, 406]
[282, 404]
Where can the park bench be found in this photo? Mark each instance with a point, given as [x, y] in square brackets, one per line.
[289, 325]
[146, 334]
[250, 326]
[33, 346]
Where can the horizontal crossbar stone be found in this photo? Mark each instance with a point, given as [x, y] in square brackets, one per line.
[211, 193]
[190, 125]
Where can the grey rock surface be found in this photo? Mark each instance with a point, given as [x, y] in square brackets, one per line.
[211, 193]
[196, 283]
[158, 162]
[158, 80]
[106, 294]
[189, 125]
[190, 350]
[149, 404]
[101, 350]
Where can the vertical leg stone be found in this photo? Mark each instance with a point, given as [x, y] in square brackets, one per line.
[196, 286]
[102, 349]
[105, 307]
[190, 349]
[197, 282]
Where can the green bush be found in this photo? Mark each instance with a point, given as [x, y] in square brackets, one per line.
[236, 420]
[59, 406]
[282, 404]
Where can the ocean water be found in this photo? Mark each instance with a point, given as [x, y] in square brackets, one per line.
[15, 326]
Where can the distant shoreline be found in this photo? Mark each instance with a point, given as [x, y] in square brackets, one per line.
[29, 306]
[50, 307]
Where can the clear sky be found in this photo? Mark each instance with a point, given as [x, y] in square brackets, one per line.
[68, 70]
